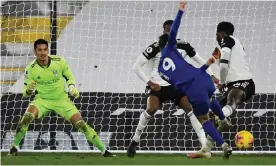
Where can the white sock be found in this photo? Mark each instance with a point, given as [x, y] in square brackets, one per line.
[198, 128]
[208, 146]
[143, 121]
[227, 111]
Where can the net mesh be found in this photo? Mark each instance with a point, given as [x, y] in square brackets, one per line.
[102, 40]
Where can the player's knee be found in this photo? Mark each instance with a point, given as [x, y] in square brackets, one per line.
[33, 109]
[151, 111]
[203, 118]
[235, 97]
[185, 105]
[232, 102]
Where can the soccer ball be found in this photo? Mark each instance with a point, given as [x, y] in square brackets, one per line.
[244, 139]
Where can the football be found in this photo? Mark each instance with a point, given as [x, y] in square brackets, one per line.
[244, 140]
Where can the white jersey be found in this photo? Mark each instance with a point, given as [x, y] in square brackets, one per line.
[154, 76]
[153, 55]
[238, 63]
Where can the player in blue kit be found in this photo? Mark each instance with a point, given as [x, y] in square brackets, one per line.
[192, 82]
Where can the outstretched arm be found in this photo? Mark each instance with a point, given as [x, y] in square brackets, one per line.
[176, 24]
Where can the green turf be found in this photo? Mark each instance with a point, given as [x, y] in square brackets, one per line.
[122, 159]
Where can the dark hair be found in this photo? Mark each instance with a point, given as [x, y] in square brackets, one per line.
[40, 41]
[168, 22]
[163, 39]
[226, 27]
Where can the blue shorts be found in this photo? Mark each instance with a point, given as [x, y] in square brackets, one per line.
[199, 91]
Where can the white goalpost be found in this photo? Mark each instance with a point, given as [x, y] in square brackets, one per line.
[101, 41]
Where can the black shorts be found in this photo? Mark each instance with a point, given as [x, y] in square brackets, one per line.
[166, 93]
[248, 86]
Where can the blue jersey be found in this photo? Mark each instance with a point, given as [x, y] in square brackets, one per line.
[172, 67]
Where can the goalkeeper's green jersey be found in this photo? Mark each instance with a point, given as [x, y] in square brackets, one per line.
[52, 80]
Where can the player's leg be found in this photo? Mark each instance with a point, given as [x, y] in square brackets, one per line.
[239, 93]
[201, 110]
[186, 106]
[205, 151]
[152, 107]
[89, 133]
[68, 110]
[234, 98]
[153, 103]
[36, 110]
[199, 94]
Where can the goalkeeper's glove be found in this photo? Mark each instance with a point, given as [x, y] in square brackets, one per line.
[30, 87]
[73, 91]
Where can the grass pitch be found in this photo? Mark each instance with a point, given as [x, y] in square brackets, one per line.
[122, 159]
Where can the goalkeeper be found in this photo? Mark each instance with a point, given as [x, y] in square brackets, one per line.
[46, 77]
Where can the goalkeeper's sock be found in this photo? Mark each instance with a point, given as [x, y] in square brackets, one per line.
[143, 121]
[98, 143]
[216, 108]
[211, 130]
[22, 128]
[227, 111]
[197, 127]
[90, 135]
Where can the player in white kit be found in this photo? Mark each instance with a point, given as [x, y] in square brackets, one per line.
[159, 91]
[235, 76]
[235, 73]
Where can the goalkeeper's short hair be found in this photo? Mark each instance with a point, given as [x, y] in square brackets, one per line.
[40, 41]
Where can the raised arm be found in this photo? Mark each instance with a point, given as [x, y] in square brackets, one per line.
[176, 24]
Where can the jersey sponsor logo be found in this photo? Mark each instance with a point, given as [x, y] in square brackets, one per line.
[55, 72]
[243, 84]
[47, 82]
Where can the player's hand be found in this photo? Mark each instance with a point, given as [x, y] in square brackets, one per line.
[31, 87]
[215, 79]
[154, 86]
[221, 88]
[216, 53]
[182, 5]
[211, 60]
[73, 91]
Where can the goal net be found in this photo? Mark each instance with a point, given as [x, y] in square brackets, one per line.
[101, 41]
